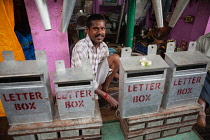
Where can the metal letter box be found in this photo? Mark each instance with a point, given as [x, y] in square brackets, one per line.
[140, 87]
[25, 90]
[74, 91]
[185, 77]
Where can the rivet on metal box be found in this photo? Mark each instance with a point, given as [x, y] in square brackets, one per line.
[185, 77]
[74, 91]
[25, 89]
[141, 87]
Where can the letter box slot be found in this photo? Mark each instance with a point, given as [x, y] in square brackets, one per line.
[20, 79]
[201, 66]
[73, 84]
[129, 75]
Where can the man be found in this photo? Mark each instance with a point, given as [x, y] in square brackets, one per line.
[92, 47]
[203, 45]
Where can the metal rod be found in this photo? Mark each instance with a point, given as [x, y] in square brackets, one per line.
[157, 5]
[68, 7]
[180, 6]
[121, 17]
[81, 34]
[130, 22]
[44, 14]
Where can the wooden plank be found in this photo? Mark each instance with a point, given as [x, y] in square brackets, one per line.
[153, 123]
[165, 113]
[43, 136]
[69, 133]
[153, 135]
[58, 125]
[91, 131]
[169, 132]
[160, 128]
[165, 127]
[90, 137]
[26, 137]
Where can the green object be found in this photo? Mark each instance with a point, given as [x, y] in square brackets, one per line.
[81, 34]
[112, 131]
[130, 22]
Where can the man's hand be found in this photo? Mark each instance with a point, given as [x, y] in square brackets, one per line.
[112, 102]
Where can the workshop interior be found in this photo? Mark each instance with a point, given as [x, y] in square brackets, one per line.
[161, 73]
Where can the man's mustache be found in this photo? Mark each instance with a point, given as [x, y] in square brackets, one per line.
[99, 35]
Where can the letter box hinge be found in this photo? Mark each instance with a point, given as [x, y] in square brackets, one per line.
[47, 98]
[163, 91]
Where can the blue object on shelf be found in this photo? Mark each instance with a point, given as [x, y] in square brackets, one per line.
[141, 48]
[112, 51]
[27, 45]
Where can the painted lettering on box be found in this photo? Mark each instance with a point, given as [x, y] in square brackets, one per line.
[22, 96]
[26, 96]
[71, 94]
[142, 87]
[186, 81]
[73, 104]
[189, 80]
[141, 98]
[25, 106]
[184, 91]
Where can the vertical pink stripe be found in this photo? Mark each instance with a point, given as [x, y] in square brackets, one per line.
[53, 42]
[207, 27]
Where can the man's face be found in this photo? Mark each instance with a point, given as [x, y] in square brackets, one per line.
[97, 31]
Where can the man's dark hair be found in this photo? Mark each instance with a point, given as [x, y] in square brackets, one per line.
[94, 17]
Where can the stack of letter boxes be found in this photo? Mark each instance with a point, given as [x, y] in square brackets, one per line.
[161, 99]
[26, 94]
[150, 97]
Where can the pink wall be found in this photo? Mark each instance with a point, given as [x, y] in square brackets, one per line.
[53, 42]
[208, 26]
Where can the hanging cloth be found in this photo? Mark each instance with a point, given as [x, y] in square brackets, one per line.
[8, 39]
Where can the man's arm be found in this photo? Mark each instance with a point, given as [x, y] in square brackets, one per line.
[111, 101]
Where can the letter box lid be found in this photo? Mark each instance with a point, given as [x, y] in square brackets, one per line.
[73, 74]
[132, 63]
[184, 58]
[23, 68]
[26, 68]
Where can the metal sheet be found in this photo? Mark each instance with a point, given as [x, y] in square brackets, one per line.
[24, 102]
[75, 102]
[73, 74]
[186, 86]
[25, 99]
[139, 97]
[187, 58]
[132, 63]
